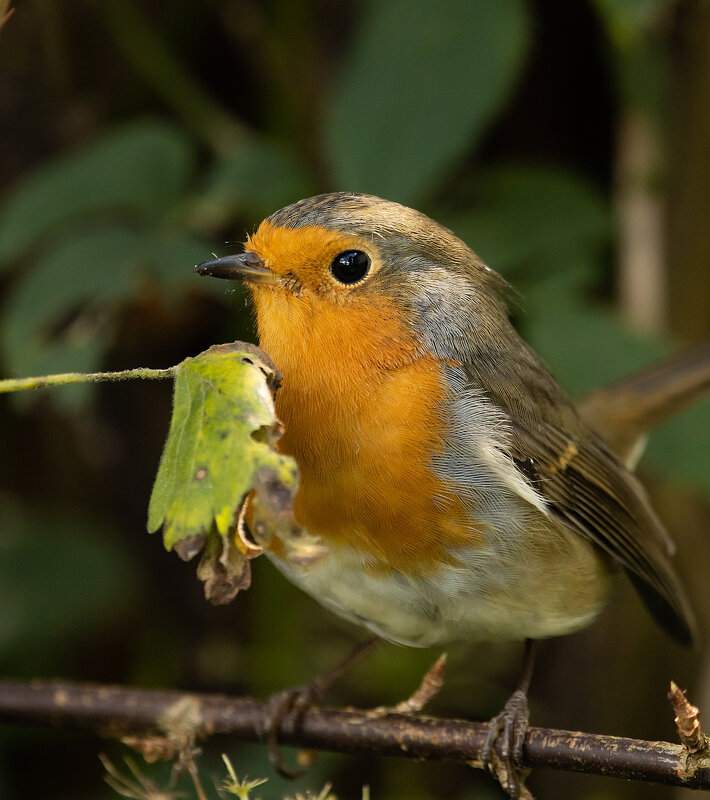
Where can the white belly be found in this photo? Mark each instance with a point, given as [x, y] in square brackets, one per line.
[497, 594]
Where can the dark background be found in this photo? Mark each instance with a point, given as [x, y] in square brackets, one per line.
[568, 143]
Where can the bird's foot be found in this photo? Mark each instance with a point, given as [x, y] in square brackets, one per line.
[502, 751]
[289, 705]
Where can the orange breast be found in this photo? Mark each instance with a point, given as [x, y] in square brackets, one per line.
[364, 411]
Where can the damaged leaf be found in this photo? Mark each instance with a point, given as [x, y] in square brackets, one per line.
[273, 525]
[219, 448]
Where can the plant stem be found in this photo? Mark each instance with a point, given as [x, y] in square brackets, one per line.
[144, 373]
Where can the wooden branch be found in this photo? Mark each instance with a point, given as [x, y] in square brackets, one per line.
[117, 711]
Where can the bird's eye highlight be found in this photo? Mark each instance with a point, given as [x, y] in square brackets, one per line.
[350, 266]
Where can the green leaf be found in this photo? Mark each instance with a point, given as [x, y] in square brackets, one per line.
[222, 412]
[220, 445]
[422, 82]
[533, 218]
[139, 169]
[254, 181]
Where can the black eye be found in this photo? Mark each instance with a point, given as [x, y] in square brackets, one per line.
[350, 266]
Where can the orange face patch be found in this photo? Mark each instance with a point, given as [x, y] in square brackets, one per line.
[305, 253]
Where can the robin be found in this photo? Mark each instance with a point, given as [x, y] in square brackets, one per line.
[460, 494]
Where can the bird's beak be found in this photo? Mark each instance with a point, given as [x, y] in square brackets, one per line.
[244, 267]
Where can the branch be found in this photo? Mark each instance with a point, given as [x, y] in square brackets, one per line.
[117, 711]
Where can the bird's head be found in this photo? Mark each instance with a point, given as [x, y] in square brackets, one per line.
[373, 279]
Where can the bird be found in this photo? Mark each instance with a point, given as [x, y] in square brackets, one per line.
[459, 492]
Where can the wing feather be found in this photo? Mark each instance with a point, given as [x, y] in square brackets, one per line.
[585, 484]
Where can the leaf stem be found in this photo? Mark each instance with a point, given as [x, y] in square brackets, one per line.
[144, 373]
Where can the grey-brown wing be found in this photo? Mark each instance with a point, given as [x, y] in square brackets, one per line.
[588, 488]
[583, 481]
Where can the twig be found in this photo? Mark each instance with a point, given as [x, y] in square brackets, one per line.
[118, 710]
[20, 384]
[688, 724]
[429, 687]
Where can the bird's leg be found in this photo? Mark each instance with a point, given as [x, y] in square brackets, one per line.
[506, 731]
[294, 702]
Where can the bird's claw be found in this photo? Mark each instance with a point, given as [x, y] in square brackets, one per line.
[505, 739]
[290, 704]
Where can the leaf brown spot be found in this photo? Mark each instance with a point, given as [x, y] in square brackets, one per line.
[276, 496]
[190, 546]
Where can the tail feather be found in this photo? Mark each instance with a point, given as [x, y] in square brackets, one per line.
[623, 412]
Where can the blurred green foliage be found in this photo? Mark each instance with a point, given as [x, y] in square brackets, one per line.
[38, 552]
[398, 102]
[95, 224]
[136, 138]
